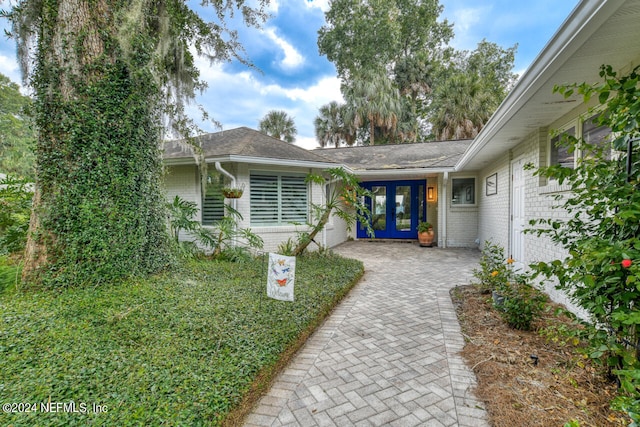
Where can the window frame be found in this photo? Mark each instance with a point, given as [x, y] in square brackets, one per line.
[280, 214]
[474, 194]
[578, 124]
[573, 124]
[583, 121]
[215, 187]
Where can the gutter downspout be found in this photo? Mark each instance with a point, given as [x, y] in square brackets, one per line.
[445, 184]
[233, 184]
[225, 173]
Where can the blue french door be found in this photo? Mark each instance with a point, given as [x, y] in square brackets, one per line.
[396, 208]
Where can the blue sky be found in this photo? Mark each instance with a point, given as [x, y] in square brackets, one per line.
[296, 79]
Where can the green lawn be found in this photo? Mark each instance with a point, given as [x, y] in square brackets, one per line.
[184, 348]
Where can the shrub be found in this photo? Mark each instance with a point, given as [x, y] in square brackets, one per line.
[9, 274]
[493, 270]
[220, 238]
[601, 232]
[517, 301]
[15, 209]
[522, 305]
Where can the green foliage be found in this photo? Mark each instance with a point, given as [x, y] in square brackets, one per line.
[517, 301]
[278, 124]
[374, 102]
[15, 204]
[334, 125]
[17, 137]
[287, 247]
[455, 92]
[601, 230]
[181, 214]
[522, 304]
[101, 207]
[468, 89]
[424, 226]
[104, 78]
[493, 271]
[9, 274]
[221, 237]
[373, 35]
[180, 349]
[345, 199]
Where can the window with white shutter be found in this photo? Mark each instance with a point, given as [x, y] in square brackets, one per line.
[213, 200]
[278, 199]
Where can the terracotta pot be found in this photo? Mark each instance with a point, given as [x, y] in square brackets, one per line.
[426, 238]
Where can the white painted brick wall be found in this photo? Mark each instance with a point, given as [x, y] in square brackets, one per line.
[461, 221]
[495, 211]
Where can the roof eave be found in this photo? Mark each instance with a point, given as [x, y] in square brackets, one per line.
[581, 23]
[369, 173]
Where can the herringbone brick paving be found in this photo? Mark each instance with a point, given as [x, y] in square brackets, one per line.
[389, 353]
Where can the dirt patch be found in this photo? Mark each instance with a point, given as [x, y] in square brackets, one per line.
[531, 378]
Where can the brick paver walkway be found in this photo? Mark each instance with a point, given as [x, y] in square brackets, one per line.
[389, 353]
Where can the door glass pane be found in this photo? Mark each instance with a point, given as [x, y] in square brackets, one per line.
[421, 204]
[379, 208]
[403, 208]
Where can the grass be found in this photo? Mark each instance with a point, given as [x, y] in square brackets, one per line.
[192, 347]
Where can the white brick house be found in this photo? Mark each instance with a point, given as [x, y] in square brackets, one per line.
[272, 174]
[472, 191]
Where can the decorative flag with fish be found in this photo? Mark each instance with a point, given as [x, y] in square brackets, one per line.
[280, 278]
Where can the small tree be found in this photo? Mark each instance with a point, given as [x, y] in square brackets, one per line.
[601, 232]
[344, 199]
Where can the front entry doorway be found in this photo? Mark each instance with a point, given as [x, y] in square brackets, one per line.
[396, 208]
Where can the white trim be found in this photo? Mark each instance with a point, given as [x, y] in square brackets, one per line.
[475, 193]
[518, 253]
[274, 162]
[386, 173]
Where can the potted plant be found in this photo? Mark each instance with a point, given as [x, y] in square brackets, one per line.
[232, 192]
[425, 234]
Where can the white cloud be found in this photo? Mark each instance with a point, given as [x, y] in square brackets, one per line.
[327, 89]
[10, 68]
[323, 5]
[466, 21]
[273, 6]
[292, 58]
[242, 99]
[307, 143]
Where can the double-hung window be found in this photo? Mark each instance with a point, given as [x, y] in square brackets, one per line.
[278, 198]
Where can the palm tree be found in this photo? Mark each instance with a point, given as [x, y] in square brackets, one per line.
[374, 100]
[334, 125]
[278, 124]
[461, 107]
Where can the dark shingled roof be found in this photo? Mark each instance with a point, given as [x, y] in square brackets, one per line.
[243, 142]
[429, 155]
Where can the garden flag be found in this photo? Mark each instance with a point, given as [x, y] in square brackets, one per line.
[280, 278]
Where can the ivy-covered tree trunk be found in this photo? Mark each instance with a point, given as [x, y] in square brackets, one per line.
[99, 211]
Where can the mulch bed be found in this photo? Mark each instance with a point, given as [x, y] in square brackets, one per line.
[532, 378]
